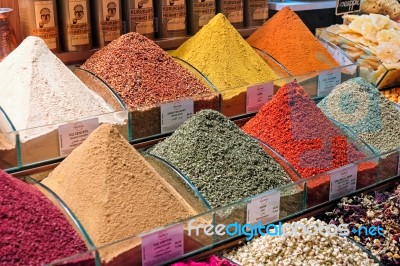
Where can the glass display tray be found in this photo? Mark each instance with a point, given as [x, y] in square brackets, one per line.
[8, 143]
[201, 243]
[42, 145]
[371, 68]
[146, 119]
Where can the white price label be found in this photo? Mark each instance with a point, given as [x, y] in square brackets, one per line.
[264, 209]
[327, 80]
[163, 245]
[343, 181]
[258, 95]
[74, 134]
[175, 114]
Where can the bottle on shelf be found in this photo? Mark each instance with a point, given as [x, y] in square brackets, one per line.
[199, 13]
[39, 18]
[75, 26]
[139, 17]
[233, 10]
[106, 21]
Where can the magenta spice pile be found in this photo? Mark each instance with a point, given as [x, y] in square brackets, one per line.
[32, 230]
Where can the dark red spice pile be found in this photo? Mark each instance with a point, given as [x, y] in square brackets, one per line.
[32, 230]
[142, 73]
[293, 125]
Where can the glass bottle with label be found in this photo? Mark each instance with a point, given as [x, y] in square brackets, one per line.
[139, 17]
[8, 41]
[106, 21]
[233, 10]
[75, 25]
[255, 12]
[199, 13]
[170, 18]
[39, 18]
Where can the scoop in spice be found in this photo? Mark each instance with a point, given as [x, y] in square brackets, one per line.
[32, 230]
[227, 60]
[225, 164]
[144, 76]
[114, 191]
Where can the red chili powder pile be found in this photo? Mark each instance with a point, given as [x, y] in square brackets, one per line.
[294, 126]
[286, 38]
[32, 230]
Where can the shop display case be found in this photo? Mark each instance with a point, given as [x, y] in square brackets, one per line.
[371, 68]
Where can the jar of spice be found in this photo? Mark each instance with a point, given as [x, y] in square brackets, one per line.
[199, 13]
[170, 18]
[75, 25]
[8, 41]
[139, 17]
[233, 10]
[39, 18]
[255, 12]
[106, 21]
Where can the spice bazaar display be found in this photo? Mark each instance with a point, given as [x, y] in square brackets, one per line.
[145, 77]
[33, 230]
[220, 53]
[372, 41]
[114, 191]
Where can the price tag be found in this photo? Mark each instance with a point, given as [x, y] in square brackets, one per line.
[258, 95]
[174, 114]
[74, 134]
[163, 245]
[343, 181]
[347, 6]
[264, 209]
[327, 80]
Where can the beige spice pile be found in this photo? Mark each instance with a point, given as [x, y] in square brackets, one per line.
[114, 191]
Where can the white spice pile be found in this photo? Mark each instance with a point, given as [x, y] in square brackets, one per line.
[114, 191]
[37, 89]
[300, 250]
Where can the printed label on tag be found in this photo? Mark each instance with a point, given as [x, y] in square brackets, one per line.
[175, 114]
[327, 81]
[79, 27]
[264, 209]
[45, 23]
[163, 245]
[343, 181]
[73, 134]
[258, 95]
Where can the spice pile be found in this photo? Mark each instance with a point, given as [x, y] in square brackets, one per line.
[286, 38]
[224, 57]
[40, 90]
[225, 164]
[212, 261]
[393, 94]
[378, 209]
[32, 230]
[360, 106]
[113, 191]
[300, 248]
[294, 126]
[144, 76]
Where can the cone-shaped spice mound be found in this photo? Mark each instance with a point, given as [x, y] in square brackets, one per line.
[33, 231]
[225, 164]
[286, 38]
[226, 59]
[37, 89]
[360, 106]
[113, 190]
[293, 125]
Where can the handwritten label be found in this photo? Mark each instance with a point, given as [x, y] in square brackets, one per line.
[258, 95]
[175, 114]
[347, 6]
[327, 80]
[163, 245]
[74, 134]
[343, 181]
[264, 209]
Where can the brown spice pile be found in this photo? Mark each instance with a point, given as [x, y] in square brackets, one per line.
[144, 75]
[114, 191]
